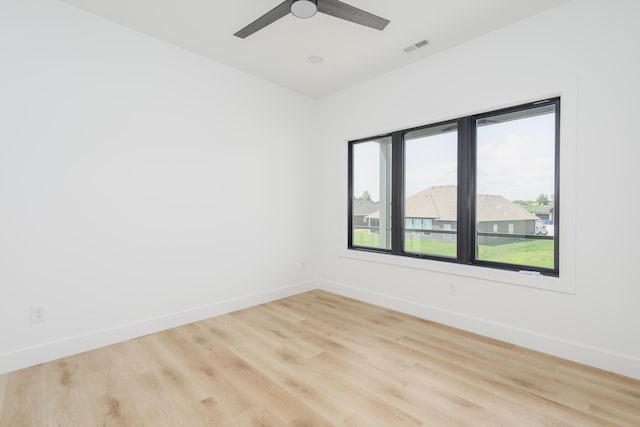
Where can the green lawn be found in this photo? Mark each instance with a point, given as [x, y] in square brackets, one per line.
[536, 253]
[422, 246]
[364, 238]
[531, 208]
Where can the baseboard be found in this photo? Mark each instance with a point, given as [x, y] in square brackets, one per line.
[591, 356]
[596, 357]
[57, 349]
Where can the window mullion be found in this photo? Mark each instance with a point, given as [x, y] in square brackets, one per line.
[472, 145]
[466, 174]
[397, 193]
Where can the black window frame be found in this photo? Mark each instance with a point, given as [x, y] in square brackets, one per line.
[466, 198]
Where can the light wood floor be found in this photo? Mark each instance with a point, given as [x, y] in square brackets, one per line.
[315, 359]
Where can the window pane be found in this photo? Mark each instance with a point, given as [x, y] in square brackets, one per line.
[371, 169]
[516, 179]
[431, 179]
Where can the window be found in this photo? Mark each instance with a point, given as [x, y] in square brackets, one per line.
[370, 188]
[515, 174]
[430, 171]
[463, 191]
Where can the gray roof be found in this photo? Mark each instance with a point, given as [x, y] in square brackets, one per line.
[544, 209]
[440, 203]
[364, 207]
[497, 208]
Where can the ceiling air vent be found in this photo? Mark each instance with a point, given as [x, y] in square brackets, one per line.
[421, 43]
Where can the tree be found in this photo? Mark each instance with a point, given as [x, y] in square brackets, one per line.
[365, 196]
[542, 199]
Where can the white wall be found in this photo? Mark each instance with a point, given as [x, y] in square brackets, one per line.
[587, 51]
[141, 186]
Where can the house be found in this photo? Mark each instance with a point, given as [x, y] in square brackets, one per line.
[361, 211]
[544, 213]
[156, 170]
[435, 208]
[495, 214]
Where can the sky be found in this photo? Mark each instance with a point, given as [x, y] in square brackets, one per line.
[515, 160]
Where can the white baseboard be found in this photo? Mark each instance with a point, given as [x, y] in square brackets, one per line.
[57, 349]
[596, 357]
[52, 350]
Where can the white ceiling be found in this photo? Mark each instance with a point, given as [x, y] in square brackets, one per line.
[351, 53]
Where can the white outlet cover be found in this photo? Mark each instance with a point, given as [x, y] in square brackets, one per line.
[37, 313]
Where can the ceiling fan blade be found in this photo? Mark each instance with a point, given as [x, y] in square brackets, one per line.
[352, 14]
[270, 17]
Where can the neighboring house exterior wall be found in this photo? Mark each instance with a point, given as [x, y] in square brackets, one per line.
[360, 221]
[504, 227]
[433, 224]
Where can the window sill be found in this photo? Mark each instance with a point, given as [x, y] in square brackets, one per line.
[563, 284]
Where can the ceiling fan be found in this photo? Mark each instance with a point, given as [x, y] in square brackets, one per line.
[308, 8]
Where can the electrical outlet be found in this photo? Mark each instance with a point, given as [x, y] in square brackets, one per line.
[452, 289]
[37, 313]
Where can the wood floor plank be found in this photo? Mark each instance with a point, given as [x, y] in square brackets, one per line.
[236, 367]
[316, 359]
[279, 365]
[25, 391]
[3, 386]
[224, 399]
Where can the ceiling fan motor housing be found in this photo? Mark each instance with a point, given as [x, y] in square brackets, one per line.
[304, 8]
